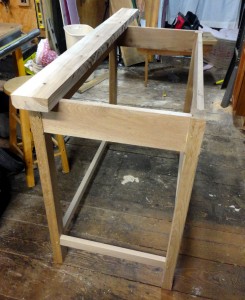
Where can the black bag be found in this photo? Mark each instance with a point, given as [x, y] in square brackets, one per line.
[10, 161]
[192, 21]
[9, 164]
[189, 22]
[5, 190]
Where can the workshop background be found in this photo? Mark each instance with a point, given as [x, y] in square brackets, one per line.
[130, 200]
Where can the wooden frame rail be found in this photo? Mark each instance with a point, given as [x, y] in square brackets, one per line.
[51, 113]
[172, 42]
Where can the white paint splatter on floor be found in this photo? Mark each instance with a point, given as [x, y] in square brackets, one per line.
[235, 209]
[129, 178]
[197, 291]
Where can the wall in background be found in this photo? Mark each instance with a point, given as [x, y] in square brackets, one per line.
[25, 15]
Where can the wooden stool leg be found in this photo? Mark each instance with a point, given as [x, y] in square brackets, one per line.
[187, 170]
[63, 154]
[27, 147]
[12, 127]
[48, 176]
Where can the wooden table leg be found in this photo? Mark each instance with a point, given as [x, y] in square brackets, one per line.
[186, 175]
[47, 170]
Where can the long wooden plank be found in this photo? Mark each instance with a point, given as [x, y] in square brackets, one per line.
[119, 252]
[121, 124]
[159, 39]
[82, 187]
[46, 88]
[189, 89]
[198, 89]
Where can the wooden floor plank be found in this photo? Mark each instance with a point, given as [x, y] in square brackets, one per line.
[45, 282]
[136, 214]
[218, 279]
[198, 241]
[151, 235]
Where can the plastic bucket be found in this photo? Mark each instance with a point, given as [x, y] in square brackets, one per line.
[74, 33]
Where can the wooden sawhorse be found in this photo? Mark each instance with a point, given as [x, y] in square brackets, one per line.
[46, 96]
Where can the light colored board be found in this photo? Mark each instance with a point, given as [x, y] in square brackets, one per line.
[46, 88]
[47, 170]
[187, 170]
[189, 89]
[119, 252]
[159, 39]
[198, 88]
[151, 12]
[121, 124]
[88, 85]
[194, 98]
[82, 187]
[130, 55]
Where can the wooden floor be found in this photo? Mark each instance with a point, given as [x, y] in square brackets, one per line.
[130, 203]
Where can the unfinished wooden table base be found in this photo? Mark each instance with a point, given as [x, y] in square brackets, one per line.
[45, 96]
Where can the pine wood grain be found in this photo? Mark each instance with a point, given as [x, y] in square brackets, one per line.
[122, 124]
[159, 39]
[47, 170]
[58, 79]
